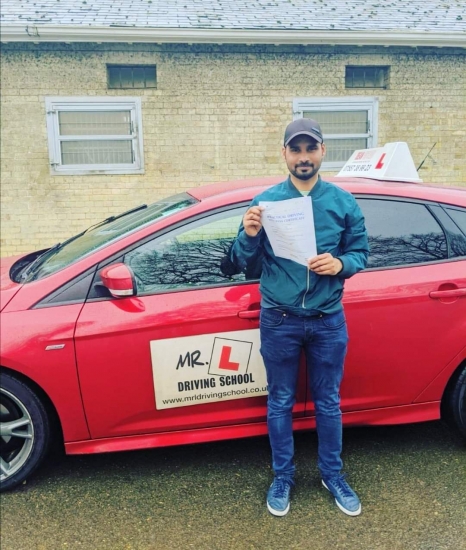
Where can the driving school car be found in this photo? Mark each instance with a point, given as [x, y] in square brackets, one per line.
[136, 334]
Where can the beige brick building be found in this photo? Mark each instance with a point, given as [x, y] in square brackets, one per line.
[216, 112]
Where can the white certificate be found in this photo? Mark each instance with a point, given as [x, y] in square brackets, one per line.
[289, 225]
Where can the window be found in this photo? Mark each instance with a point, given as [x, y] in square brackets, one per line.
[89, 135]
[459, 217]
[189, 257]
[102, 234]
[454, 223]
[348, 124]
[131, 76]
[366, 76]
[402, 233]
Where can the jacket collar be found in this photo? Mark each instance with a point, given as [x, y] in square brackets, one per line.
[316, 191]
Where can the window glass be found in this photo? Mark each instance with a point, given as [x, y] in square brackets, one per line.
[190, 257]
[87, 123]
[97, 152]
[366, 77]
[340, 122]
[102, 234]
[89, 134]
[459, 217]
[402, 233]
[132, 76]
[456, 239]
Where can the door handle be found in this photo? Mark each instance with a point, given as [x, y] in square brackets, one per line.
[249, 314]
[452, 293]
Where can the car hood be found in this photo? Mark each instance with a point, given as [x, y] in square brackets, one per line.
[8, 288]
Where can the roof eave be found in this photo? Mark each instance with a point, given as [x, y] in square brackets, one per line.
[62, 33]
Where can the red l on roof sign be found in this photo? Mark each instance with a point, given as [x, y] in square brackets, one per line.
[392, 162]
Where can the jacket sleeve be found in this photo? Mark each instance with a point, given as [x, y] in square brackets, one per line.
[247, 252]
[354, 244]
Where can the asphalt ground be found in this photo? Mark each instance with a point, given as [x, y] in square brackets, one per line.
[411, 480]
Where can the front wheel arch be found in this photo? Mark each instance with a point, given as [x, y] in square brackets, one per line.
[26, 398]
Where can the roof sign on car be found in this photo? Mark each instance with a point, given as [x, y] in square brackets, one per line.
[392, 162]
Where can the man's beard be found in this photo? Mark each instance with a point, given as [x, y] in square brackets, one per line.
[305, 176]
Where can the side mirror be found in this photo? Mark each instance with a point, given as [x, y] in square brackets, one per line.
[119, 280]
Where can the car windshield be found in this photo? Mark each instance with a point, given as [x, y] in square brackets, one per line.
[61, 256]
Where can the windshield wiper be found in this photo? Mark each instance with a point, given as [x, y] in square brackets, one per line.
[24, 275]
[113, 218]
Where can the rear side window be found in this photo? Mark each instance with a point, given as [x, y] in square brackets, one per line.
[456, 239]
[459, 217]
[402, 233]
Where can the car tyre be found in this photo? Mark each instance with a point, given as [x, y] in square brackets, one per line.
[24, 431]
[456, 403]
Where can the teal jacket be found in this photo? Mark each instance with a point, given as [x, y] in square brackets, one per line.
[340, 230]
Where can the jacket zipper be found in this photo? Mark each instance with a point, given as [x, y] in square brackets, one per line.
[307, 290]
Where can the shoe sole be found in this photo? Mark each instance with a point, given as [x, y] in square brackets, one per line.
[344, 510]
[279, 513]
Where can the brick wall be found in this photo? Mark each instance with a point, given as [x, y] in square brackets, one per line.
[218, 113]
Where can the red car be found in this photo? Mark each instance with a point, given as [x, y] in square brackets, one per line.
[133, 335]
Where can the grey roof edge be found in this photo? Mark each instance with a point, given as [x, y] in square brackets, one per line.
[62, 33]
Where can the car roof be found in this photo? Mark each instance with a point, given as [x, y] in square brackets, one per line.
[248, 188]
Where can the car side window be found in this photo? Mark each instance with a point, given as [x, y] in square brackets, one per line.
[187, 257]
[459, 217]
[456, 238]
[402, 233]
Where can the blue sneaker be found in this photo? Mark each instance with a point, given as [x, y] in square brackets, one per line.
[347, 500]
[278, 496]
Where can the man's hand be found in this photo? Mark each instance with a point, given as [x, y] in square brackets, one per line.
[325, 264]
[252, 222]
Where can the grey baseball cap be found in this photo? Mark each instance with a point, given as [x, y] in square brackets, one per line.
[306, 126]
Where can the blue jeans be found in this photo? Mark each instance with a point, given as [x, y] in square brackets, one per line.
[324, 341]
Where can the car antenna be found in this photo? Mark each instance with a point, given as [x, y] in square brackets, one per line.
[420, 166]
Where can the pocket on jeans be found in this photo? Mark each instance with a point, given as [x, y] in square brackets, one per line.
[271, 318]
[334, 320]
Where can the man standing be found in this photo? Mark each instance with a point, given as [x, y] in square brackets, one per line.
[301, 308]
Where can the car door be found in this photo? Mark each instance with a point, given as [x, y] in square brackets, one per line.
[403, 327]
[183, 353]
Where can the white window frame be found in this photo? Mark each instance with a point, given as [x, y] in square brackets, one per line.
[315, 104]
[53, 107]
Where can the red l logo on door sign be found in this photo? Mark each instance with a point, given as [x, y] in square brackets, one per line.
[225, 362]
[380, 163]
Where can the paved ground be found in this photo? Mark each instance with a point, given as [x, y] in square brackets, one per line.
[411, 479]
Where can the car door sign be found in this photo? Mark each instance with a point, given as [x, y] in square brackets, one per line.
[207, 368]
